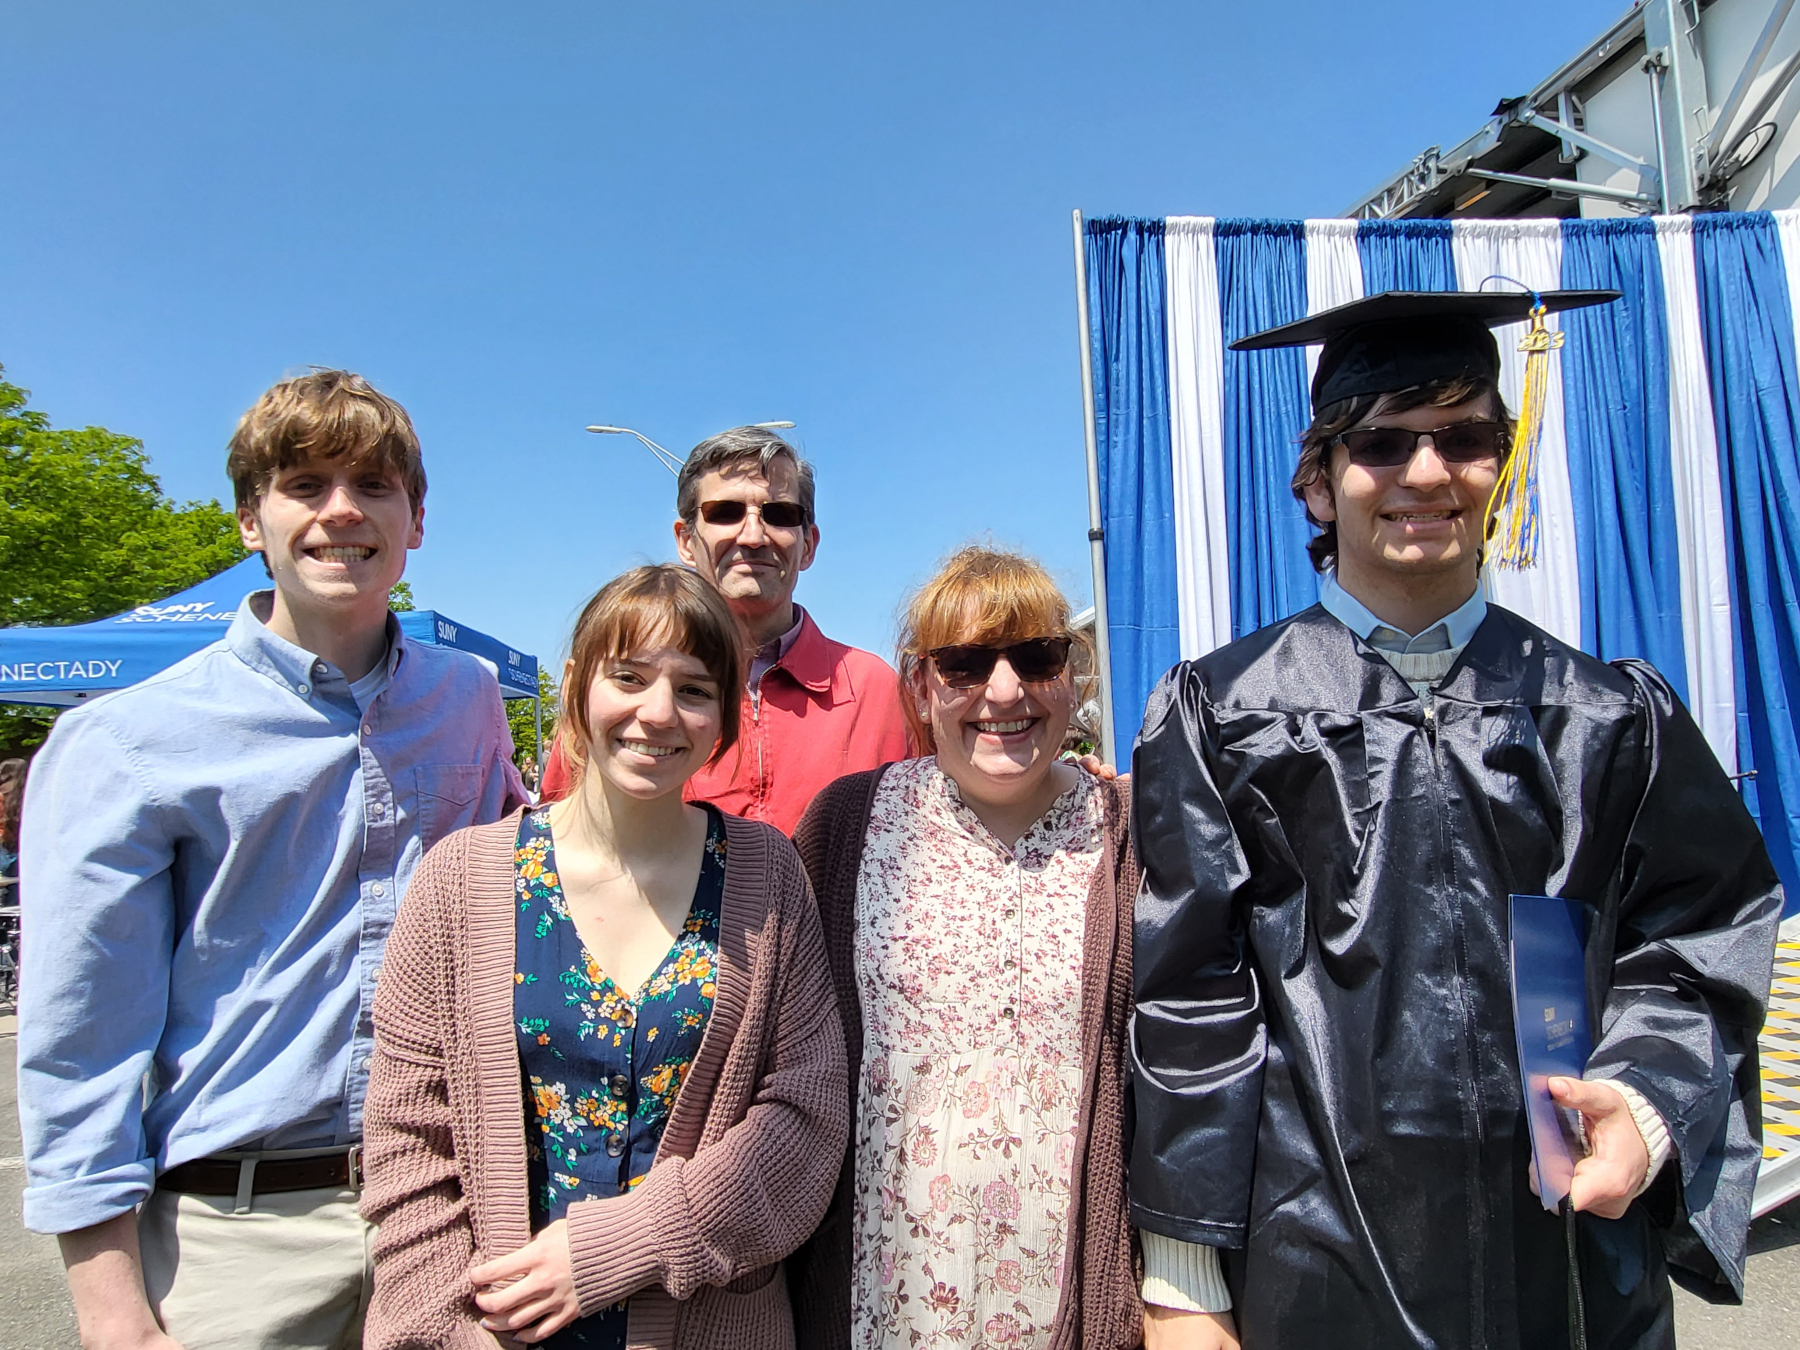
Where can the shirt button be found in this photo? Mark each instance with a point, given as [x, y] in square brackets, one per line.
[301, 688]
[375, 809]
[375, 973]
[375, 889]
[368, 729]
[362, 1065]
[621, 1086]
[615, 1143]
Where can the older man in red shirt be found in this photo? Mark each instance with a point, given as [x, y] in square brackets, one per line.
[814, 709]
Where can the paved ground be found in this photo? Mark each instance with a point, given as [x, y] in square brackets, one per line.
[35, 1313]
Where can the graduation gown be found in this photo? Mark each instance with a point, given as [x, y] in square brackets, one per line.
[1325, 1075]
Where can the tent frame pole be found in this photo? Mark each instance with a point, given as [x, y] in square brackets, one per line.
[1109, 750]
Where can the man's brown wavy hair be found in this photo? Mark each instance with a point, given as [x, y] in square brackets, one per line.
[325, 414]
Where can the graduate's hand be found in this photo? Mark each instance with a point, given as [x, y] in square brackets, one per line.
[1173, 1329]
[531, 1293]
[1617, 1162]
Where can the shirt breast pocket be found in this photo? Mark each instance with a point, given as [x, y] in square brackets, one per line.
[448, 797]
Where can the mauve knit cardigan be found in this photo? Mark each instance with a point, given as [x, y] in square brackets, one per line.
[746, 1163]
[1100, 1307]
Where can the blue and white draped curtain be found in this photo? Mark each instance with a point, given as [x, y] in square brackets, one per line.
[1670, 457]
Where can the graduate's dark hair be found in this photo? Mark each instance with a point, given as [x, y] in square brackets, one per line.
[1334, 419]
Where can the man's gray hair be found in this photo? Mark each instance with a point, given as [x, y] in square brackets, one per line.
[733, 447]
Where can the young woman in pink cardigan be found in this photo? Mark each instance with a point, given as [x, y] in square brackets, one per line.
[609, 1090]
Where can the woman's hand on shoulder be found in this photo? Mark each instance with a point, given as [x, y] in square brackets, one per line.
[1172, 1329]
[530, 1294]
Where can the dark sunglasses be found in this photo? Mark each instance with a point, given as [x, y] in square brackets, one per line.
[778, 515]
[1035, 661]
[1459, 443]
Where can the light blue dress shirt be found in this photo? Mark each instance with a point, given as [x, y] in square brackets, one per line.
[1453, 631]
[211, 861]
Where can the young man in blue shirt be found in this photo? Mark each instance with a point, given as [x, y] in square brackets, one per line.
[215, 857]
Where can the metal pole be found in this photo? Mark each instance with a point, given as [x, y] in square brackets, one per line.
[1109, 750]
[1653, 67]
[537, 708]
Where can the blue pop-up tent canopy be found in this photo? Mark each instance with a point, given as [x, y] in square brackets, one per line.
[60, 667]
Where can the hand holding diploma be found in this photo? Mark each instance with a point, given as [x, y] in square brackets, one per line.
[1611, 1175]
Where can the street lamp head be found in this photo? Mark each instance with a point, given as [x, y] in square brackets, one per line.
[774, 426]
[612, 430]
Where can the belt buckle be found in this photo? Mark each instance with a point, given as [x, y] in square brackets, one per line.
[354, 1160]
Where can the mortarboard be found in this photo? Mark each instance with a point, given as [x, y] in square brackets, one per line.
[1402, 339]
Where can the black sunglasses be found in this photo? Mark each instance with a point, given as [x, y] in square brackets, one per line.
[1459, 443]
[779, 515]
[1035, 661]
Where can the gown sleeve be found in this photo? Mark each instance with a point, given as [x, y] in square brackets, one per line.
[1699, 903]
[1198, 1039]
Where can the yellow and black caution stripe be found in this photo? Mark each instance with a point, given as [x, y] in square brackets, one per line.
[1779, 1180]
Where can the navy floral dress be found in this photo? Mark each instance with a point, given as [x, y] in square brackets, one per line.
[602, 1066]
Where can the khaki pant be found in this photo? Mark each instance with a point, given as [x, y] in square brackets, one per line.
[295, 1271]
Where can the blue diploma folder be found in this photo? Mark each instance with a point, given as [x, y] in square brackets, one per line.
[1550, 1018]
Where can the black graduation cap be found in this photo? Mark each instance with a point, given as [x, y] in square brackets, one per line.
[1402, 339]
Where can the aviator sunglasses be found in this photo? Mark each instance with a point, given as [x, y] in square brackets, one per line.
[1035, 661]
[1458, 443]
[779, 515]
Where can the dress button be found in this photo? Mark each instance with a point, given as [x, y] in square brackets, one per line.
[1012, 913]
[621, 1086]
[1006, 1012]
[1011, 964]
[615, 1143]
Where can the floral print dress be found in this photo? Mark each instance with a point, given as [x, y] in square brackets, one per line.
[968, 962]
[601, 1066]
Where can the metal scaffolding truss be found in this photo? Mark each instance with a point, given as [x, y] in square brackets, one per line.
[1521, 161]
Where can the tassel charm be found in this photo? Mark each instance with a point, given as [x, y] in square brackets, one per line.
[1513, 512]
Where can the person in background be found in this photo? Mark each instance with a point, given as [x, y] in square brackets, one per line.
[977, 909]
[12, 798]
[609, 1094]
[212, 860]
[813, 709]
[1332, 814]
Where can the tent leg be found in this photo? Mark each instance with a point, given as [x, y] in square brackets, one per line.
[537, 752]
[1109, 749]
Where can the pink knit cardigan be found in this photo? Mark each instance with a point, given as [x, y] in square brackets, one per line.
[746, 1165]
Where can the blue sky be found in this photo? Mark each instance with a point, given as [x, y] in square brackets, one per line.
[522, 219]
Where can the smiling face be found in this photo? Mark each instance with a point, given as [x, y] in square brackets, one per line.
[334, 536]
[997, 741]
[1424, 519]
[754, 565]
[654, 716]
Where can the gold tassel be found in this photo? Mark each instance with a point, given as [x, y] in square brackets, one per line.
[1515, 496]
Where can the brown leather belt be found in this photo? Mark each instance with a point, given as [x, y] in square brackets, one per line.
[268, 1176]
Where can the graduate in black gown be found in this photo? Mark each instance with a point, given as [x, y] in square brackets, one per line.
[1331, 813]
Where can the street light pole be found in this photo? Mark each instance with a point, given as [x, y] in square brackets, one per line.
[667, 458]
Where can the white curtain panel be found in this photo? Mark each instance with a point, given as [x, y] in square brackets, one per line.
[1706, 626]
[1196, 343]
[1529, 252]
[1333, 273]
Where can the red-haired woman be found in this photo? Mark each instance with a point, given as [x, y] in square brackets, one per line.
[977, 906]
[609, 1093]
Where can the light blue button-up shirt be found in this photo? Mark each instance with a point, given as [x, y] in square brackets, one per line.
[211, 861]
[1453, 631]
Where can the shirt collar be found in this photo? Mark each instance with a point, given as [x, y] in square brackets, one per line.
[290, 666]
[807, 655]
[1450, 632]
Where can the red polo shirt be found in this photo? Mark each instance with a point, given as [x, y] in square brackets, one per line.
[826, 710]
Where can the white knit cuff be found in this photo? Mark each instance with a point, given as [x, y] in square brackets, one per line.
[1650, 1126]
[1183, 1275]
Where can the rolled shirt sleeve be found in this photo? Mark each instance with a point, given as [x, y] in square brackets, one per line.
[97, 927]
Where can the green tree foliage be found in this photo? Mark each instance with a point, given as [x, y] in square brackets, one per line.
[523, 725]
[85, 531]
[400, 599]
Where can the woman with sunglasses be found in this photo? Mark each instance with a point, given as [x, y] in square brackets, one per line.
[608, 1095]
[977, 911]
